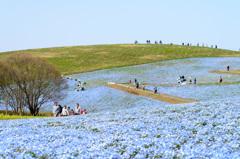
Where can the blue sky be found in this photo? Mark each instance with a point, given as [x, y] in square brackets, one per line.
[28, 24]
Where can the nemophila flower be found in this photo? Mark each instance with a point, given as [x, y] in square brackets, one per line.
[207, 129]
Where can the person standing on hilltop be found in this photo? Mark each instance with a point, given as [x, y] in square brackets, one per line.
[228, 67]
[195, 81]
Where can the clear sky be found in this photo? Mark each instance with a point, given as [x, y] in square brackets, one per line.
[27, 24]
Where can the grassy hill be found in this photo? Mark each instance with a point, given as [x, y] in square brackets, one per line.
[78, 59]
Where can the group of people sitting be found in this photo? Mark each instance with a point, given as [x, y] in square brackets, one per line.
[80, 85]
[58, 110]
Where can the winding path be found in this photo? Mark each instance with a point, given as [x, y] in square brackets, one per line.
[166, 97]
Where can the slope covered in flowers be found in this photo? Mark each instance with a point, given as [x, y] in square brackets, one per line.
[205, 129]
[98, 97]
[123, 125]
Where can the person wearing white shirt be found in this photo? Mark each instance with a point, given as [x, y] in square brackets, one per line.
[55, 109]
[77, 110]
[65, 111]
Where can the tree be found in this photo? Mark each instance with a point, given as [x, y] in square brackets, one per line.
[30, 82]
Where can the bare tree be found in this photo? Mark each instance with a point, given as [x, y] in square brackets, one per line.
[14, 98]
[30, 82]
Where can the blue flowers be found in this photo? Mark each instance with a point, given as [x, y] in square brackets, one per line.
[204, 129]
[121, 125]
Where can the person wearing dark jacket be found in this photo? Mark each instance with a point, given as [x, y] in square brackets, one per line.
[155, 90]
[137, 85]
[59, 110]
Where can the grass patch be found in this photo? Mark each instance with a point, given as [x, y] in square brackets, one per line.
[79, 59]
[10, 117]
[25, 115]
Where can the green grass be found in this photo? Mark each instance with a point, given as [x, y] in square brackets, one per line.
[79, 59]
[26, 115]
[10, 117]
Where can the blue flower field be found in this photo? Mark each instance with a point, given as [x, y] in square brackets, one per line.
[123, 125]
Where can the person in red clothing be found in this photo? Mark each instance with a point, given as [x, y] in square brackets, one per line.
[72, 112]
[84, 111]
[220, 80]
[228, 68]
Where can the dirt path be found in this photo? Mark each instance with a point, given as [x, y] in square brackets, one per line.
[198, 84]
[148, 93]
[166, 97]
[236, 72]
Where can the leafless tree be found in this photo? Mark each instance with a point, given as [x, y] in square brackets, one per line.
[30, 82]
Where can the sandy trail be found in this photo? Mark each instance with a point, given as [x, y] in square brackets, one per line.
[166, 97]
[148, 93]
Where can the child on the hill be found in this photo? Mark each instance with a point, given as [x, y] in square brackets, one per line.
[72, 112]
[84, 111]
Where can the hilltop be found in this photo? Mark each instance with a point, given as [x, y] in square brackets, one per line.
[79, 59]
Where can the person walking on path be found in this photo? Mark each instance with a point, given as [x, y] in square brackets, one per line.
[55, 109]
[77, 110]
[155, 90]
[220, 80]
[195, 81]
[228, 67]
[137, 85]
